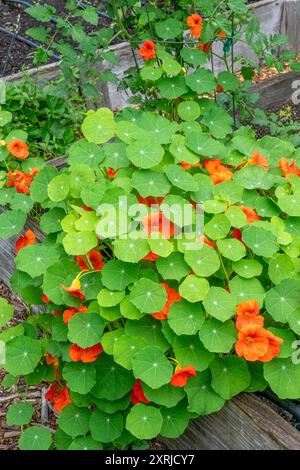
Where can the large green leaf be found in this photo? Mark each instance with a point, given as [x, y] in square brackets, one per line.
[151, 366]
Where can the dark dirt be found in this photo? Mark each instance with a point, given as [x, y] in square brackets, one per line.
[15, 55]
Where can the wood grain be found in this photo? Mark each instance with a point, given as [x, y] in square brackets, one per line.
[245, 423]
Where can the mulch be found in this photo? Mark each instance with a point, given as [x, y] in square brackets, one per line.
[9, 435]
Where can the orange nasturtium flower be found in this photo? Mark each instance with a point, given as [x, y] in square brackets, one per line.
[147, 50]
[28, 238]
[187, 166]
[248, 313]
[20, 180]
[137, 394]
[250, 213]
[95, 259]
[90, 354]
[274, 349]
[217, 171]
[18, 149]
[222, 34]
[181, 374]
[288, 168]
[173, 297]
[74, 289]
[257, 344]
[70, 312]
[258, 159]
[157, 222]
[208, 242]
[58, 397]
[195, 23]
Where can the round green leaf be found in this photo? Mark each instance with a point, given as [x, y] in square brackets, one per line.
[190, 352]
[219, 304]
[80, 377]
[175, 421]
[79, 243]
[144, 422]
[172, 88]
[113, 381]
[145, 153]
[22, 355]
[58, 188]
[167, 395]
[106, 427]
[148, 296]
[231, 248]
[117, 275]
[189, 110]
[131, 251]
[74, 421]
[19, 414]
[150, 183]
[151, 366]
[218, 337]
[85, 329]
[283, 376]
[280, 267]
[247, 268]
[193, 288]
[85, 152]
[204, 262]
[85, 443]
[125, 347]
[180, 178]
[172, 267]
[262, 242]
[36, 259]
[11, 223]
[202, 398]
[6, 311]
[99, 127]
[283, 299]
[35, 438]
[184, 318]
[230, 376]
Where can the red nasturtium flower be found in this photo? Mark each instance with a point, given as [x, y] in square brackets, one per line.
[95, 260]
[250, 213]
[45, 299]
[137, 394]
[181, 374]
[195, 23]
[222, 34]
[157, 222]
[111, 173]
[248, 313]
[151, 256]
[150, 200]
[258, 159]
[288, 168]
[219, 89]
[70, 312]
[257, 344]
[90, 354]
[20, 180]
[147, 50]
[208, 242]
[18, 149]
[205, 47]
[74, 289]
[86, 208]
[28, 238]
[217, 171]
[59, 397]
[173, 297]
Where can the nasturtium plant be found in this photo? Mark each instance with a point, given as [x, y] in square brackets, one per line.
[168, 277]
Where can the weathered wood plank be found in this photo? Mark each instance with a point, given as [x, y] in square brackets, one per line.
[290, 24]
[277, 90]
[245, 423]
